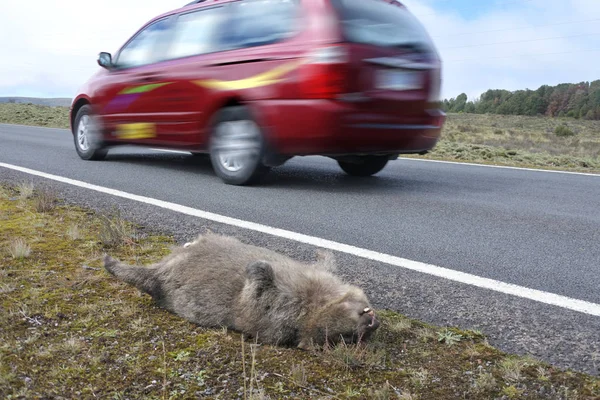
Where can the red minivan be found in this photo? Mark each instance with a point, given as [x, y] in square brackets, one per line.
[254, 83]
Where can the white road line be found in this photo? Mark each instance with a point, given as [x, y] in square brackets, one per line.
[457, 276]
[500, 166]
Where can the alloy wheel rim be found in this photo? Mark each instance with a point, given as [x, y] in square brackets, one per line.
[237, 143]
[82, 133]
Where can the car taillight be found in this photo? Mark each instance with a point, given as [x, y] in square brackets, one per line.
[435, 90]
[324, 76]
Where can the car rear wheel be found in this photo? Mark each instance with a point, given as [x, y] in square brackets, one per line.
[86, 135]
[364, 166]
[237, 147]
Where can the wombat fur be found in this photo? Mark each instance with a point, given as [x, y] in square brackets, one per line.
[218, 281]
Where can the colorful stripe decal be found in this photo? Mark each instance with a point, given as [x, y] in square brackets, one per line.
[263, 79]
[130, 94]
[143, 88]
[121, 102]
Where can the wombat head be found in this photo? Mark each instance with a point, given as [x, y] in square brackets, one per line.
[338, 312]
[348, 319]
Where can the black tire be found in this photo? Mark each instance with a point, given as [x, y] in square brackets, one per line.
[87, 144]
[247, 166]
[366, 166]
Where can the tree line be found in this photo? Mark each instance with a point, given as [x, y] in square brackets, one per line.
[575, 100]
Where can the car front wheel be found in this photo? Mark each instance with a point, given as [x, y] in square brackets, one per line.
[364, 166]
[86, 134]
[237, 147]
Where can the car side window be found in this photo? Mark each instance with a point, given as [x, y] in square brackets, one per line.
[147, 47]
[261, 22]
[197, 33]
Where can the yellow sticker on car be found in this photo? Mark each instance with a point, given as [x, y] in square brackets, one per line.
[139, 130]
[270, 77]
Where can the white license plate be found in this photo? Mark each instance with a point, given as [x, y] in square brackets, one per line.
[399, 80]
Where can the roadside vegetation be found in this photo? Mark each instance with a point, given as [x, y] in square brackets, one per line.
[36, 115]
[510, 140]
[574, 100]
[68, 330]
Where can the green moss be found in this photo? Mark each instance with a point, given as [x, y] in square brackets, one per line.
[74, 332]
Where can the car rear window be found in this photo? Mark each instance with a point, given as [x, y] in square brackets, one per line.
[380, 23]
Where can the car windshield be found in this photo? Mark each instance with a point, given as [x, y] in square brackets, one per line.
[380, 23]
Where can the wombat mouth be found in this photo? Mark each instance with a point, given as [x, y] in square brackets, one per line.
[371, 313]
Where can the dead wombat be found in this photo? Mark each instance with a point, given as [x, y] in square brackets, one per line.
[218, 281]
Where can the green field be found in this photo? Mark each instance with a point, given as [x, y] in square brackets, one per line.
[70, 330]
[488, 139]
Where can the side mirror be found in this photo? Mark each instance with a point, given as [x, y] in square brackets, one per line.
[105, 60]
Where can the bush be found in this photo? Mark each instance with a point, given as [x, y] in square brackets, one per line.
[563, 130]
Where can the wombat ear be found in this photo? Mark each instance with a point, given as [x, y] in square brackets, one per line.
[261, 272]
[326, 259]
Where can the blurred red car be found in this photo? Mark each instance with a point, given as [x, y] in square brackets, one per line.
[256, 82]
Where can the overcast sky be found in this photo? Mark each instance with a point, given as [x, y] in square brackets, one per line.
[49, 47]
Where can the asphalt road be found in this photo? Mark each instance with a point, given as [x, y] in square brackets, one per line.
[539, 230]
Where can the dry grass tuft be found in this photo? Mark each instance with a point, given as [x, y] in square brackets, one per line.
[352, 356]
[26, 190]
[74, 233]
[401, 326]
[45, 201]
[298, 374]
[484, 382]
[19, 249]
[115, 231]
[511, 368]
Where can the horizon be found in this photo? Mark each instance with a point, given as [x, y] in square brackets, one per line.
[443, 99]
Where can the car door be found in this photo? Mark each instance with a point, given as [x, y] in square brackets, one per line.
[210, 60]
[131, 100]
[194, 39]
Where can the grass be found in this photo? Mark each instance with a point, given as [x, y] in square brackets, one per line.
[533, 142]
[521, 141]
[30, 114]
[67, 329]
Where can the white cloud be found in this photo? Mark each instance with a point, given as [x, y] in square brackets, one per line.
[49, 48]
[472, 64]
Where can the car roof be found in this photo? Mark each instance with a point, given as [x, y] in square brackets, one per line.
[195, 4]
[189, 6]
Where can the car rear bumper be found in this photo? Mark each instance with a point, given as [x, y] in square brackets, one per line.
[322, 127]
